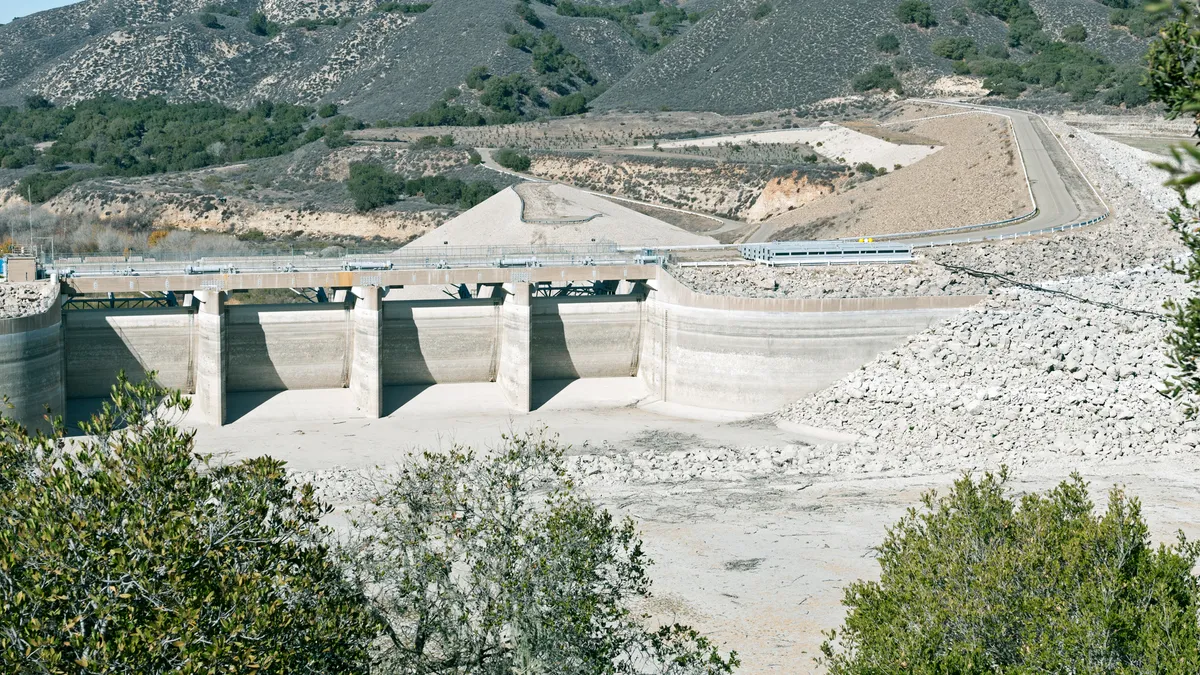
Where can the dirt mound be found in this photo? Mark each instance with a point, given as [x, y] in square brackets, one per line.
[551, 213]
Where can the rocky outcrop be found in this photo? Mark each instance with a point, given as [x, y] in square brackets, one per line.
[785, 193]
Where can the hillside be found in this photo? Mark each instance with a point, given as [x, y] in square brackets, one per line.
[386, 61]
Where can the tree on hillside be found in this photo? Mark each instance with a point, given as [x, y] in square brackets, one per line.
[498, 564]
[978, 581]
[1174, 79]
[888, 43]
[916, 11]
[879, 76]
[125, 552]
[511, 159]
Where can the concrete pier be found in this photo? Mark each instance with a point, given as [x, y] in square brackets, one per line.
[211, 374]
[32, 372]
[366, 364]
[514, 372]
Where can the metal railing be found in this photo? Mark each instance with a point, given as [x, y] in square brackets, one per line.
[408, 258]
[1013, 235]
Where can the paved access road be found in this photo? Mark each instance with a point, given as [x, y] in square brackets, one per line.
[1061, 192]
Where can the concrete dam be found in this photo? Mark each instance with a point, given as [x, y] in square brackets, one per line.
[730, 353]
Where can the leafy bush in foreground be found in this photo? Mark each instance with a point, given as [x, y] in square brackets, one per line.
[498, 564]
[978, 581]
[126, 553]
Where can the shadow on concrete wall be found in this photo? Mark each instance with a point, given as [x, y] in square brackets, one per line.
[395, 397]
[251, 378]
[404, 363]
[549, 347]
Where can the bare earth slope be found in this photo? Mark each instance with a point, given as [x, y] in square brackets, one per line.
[541, 213]
[975, 178]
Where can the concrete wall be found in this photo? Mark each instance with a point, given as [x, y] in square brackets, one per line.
[759, 354]
[102, 342]
[440, 341]
[32, 368]
[275, 347]
[586, 337]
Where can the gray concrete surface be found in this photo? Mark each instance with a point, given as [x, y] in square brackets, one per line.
[514, 370]
[32, 370]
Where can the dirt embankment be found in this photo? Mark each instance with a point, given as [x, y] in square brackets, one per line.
[975, 178]
[710, 187]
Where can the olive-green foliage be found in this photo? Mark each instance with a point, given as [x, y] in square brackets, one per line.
[527, 13]
[328, 110]
[1076, 32]
[441, 114]
[137, 138]
[508, 96]
[1024, 26]
[916, 11]
[499, 564]
[1140, 17]
[954, 48]
[551, 58]
[571, 104]
[372, 186]
[125, 552]
[478, 76]
[665, 18]
[474, 158]
[260, 25]
[980, 582]
[315, 24]
[879, 76]
[210, 21]
[511, 159]
[960, 16]
[406, 8]
[1174, 80]
[761, 11]
[888, 43]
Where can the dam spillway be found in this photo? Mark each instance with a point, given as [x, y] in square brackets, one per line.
[731, 353]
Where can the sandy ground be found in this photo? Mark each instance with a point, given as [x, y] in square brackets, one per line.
[831, 140]
[760, 564]
[555, 214]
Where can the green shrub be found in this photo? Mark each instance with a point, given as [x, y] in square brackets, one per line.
[474, 158]
[879, 76]
[336, 138]
[126, 552]
[572, 104]
[372, 186]
[522, 40]
[1075, 33]
[761, 11]
[528, 14]
[960, 16]
[560, 574]
[902, 64]
[888, 43]
[916, 11]
[210, 21]
[446, 141]
[328, 110]
[259, 25]
[251, 235]
[425, 142]
[978, 581]
[478, 76]
[511, 159]
[995, 51]
[18, 157]
[953, 48]
[413, 8]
